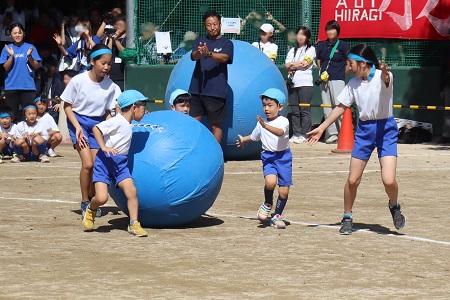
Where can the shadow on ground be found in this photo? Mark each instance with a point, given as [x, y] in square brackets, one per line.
[375, 228]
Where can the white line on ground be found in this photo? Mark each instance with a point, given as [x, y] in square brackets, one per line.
[416, 238]
[36, 177]
[408, 237]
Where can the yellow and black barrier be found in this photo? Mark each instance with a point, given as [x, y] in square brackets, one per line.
[427, 107]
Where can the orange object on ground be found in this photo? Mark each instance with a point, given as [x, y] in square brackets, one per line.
[346, 136]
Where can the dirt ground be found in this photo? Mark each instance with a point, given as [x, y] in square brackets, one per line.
[227, 254]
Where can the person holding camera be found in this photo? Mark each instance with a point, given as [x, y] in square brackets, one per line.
[299, 62]
[69, 36]
[20, 60]
[82, 47]
[116, 41]
[332, 61]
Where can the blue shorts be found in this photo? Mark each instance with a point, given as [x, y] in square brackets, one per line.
[280, 164]
[86, 123]
[382, 134]
[8, 150]
[109, 169]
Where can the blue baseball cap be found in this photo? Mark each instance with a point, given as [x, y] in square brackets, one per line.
[274, 94]
[130, 97]
[177, 93]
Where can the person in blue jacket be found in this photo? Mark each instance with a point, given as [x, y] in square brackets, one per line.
[20, 60]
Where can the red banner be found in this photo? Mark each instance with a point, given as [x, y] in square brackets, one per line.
[407, 19]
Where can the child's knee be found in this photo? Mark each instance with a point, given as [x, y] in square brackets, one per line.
[87, 165]
[283, 192]
[271, 182]
[354, 182]
[389, 181]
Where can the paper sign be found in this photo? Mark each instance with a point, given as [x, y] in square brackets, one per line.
[231, 25]
[163, 44]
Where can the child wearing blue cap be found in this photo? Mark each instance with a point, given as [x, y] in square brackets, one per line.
[89, 99]
[111, 163]
[180, 100]
[372, 90]
[31, 139]
[7, 134]
[276, 157]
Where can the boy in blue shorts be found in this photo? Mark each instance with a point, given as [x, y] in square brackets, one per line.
[7, 134]
[276, 157]
[111, 163]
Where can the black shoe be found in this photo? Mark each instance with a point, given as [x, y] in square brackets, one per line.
[347, 226]
[397, 216]
[443, 140]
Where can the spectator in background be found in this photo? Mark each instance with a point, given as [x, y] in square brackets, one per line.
[256, 20]
[51, 87]
[291, 39]
[82, 47]
[10, 6]
[147, 40]
[445, 92]
[41, 33]
[188, 40]
[95, 20]
[337, 68]
[19, 60]
[117, 42]
[209, 86]
[69, 36]
[266, 41]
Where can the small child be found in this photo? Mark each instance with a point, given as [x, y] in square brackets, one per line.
[180, 100]
[47, 122]
[68, 75]
[111, 163]
[7, 135]
[31, 139]
[372, 90]
[276, 157]
[266, 41]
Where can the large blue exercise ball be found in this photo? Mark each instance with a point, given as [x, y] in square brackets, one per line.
[177, 167]
[250, 74]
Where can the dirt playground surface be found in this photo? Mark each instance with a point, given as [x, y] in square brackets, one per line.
[227, 254]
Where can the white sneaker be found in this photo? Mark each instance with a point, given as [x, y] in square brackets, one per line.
[1, 159]
[293, 139]
[44, 158]
[15, 159]
[52, 153]
[332, 139]
[300, 140]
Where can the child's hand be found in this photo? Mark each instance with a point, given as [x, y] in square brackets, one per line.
[110, 151]
[314, 136]
[81, 138]
[240, 142]
[385, 73]
[261, 121]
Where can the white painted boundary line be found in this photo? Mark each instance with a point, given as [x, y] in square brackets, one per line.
[415, 238]
[408, 237]
[37, 177]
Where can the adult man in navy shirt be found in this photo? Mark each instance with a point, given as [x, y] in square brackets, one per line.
[209, 81]
[336, 68]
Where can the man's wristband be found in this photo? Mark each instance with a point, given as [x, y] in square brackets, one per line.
[210, 54]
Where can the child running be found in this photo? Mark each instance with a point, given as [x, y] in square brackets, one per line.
[372, 90]
[89, 99]
[180, 100]
[47, 122]
[31, 139]
[7, 134]
[276, 157]
[111, 163]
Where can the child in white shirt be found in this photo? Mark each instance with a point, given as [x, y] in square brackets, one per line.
[266, 41]
[47, 121]
[7, 135]
[276, 157]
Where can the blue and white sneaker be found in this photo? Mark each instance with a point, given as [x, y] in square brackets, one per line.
[84, 206]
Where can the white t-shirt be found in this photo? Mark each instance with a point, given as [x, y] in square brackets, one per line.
[302, 77]
[48, 123]
[117, 133]
[271, 142]
[373, 98]
[39, 128]
[11, 131]
[90, 98]
[267, 48]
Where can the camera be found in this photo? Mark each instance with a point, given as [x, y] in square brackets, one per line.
[323, 78]
[110, 30]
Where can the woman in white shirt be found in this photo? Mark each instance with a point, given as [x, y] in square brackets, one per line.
[299, 62]
[266, 41]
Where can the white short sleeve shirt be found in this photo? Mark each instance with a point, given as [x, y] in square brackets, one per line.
[302, 77]
[11, 131]
[267, 48]
[39, 128]
[117, 133]
[48, 122]
[271, 142]
[91, 99]
[373, 98]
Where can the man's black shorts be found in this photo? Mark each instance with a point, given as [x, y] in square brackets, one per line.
[213, 107]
